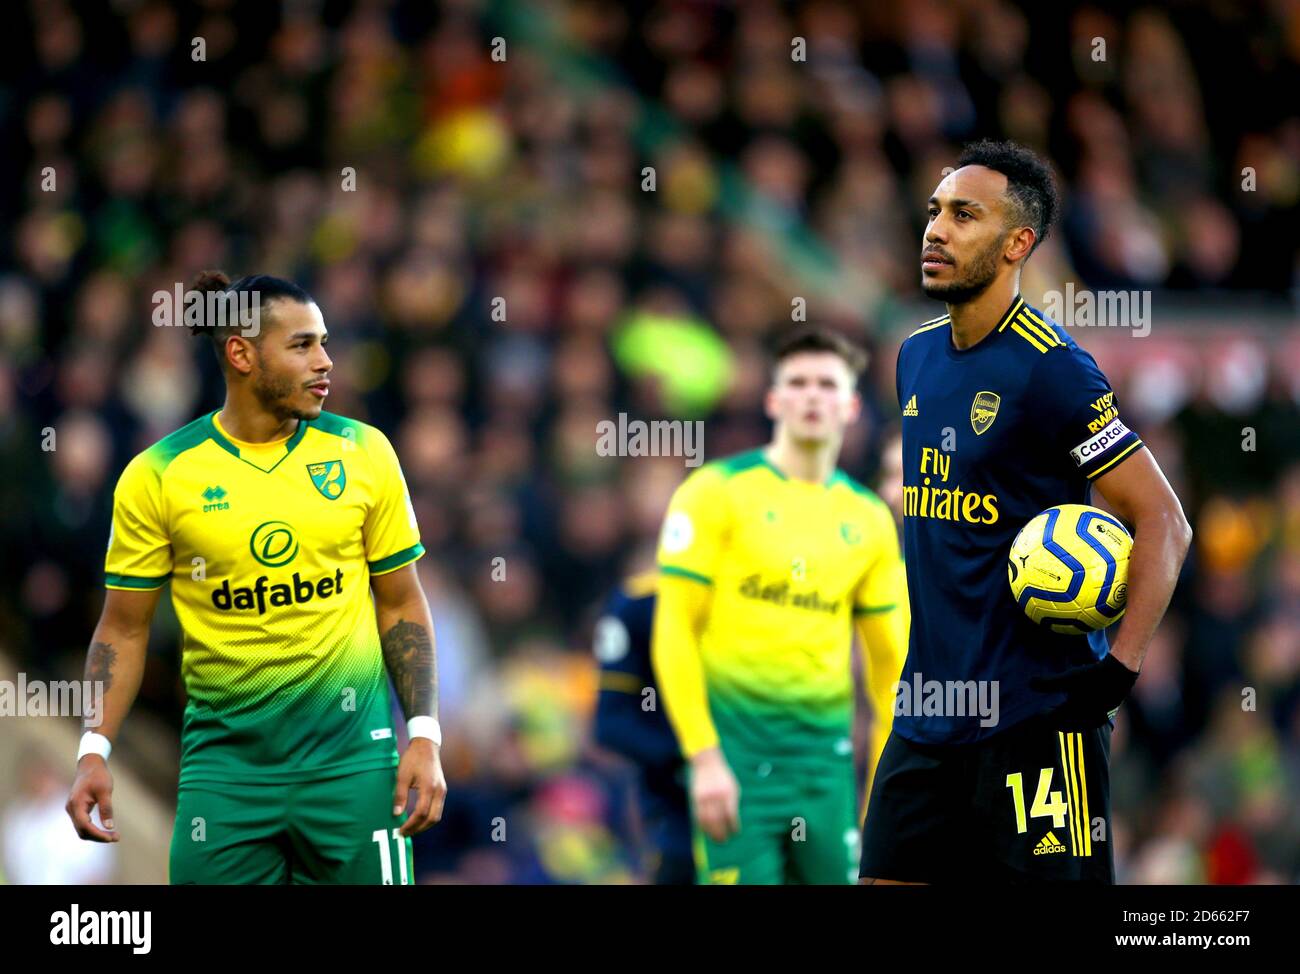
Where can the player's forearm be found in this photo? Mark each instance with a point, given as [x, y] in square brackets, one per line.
[1161, 538]
[686, 700]
[406, 637]
[114, 669]
[679, 671]
[884, 650]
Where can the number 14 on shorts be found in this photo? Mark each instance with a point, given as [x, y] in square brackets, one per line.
[1068, 807]
[381, 837]
[1047, 803]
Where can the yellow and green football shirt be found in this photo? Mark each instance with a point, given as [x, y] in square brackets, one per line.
[270, 548]
[789, 562]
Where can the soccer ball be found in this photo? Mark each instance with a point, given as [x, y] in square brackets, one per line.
[1068, 568]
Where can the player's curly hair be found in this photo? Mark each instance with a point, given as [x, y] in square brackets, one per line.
[1031, 187]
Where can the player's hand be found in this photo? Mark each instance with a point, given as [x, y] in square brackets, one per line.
[420, 770]
[715, 795]
[1093, 692]
[92, 786]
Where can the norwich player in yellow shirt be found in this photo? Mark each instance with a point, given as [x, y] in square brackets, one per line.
[274, 522]
[768, 562]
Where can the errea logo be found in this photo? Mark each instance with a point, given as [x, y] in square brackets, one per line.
[216, 499]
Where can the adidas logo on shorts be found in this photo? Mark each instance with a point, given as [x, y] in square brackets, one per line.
[1047, 845]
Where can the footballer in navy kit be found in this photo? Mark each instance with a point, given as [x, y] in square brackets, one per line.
[1004, 415]
[625, 726]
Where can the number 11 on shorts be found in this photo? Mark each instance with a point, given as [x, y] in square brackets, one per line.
[380, 836]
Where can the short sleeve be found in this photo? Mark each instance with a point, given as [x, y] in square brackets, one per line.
[1082, 412]
[391, 534]
[898, 376]
[884, 584]
[694, 528]
[139, 556]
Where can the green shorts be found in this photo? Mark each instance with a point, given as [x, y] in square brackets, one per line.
[798, 823]
[332, 831]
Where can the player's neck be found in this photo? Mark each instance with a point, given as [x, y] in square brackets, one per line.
[814, 464]
[974, 319]
[252, 424]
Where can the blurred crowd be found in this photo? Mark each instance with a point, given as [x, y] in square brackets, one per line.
[521, 219]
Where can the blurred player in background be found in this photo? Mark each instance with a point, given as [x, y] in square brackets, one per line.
[890, 482]
[767, 561]
[274, 521]
[1004, 415]
[630, 723]
[889, 488]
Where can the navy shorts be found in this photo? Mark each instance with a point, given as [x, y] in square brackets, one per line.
[1029, 805]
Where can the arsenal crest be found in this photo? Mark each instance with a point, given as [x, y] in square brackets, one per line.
[329, 478]
[984, 410]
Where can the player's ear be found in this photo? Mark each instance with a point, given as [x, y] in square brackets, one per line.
[239, 354]
[769, 400]
[855, 408]
[1020, 244]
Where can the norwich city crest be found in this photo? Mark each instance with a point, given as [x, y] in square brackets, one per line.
[328, 477]
[984, 410]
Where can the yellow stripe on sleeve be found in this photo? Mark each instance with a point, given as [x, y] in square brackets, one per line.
[1044, 333]
[1020, 303]
[1020, 330]
[1029, 311]
[937, 324]
[1106, 466]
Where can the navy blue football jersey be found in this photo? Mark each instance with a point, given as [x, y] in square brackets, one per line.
[626, 725]
[992, 435]
[624, 722]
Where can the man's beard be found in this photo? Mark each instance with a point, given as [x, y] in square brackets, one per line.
[272, 393]
[982, 270]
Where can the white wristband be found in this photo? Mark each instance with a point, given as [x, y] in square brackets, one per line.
[92, 743]
[424, 727]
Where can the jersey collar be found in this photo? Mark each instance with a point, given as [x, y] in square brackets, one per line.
[215, 432]
[1017, 303]
[830, 481]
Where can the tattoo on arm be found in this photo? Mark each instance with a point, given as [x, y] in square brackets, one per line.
[99, 663]
[408, 654]
[99, 675]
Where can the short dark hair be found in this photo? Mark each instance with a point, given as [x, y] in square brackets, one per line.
[815, 339]
[1031, 187]
[268, 289]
